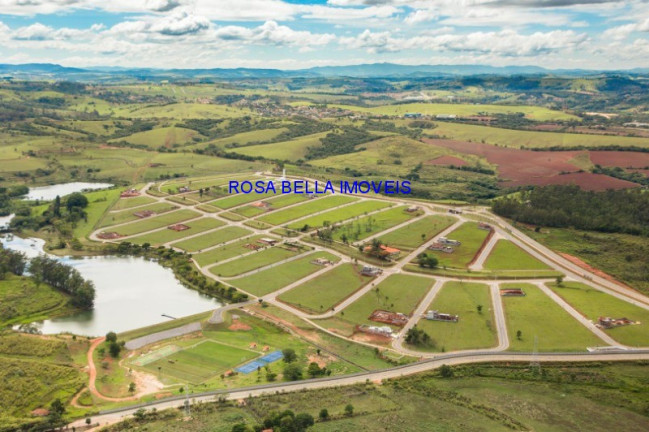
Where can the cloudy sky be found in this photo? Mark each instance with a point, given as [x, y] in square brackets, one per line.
[292, 34]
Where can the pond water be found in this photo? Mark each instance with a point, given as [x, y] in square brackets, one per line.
[48, 193]
[132, 292]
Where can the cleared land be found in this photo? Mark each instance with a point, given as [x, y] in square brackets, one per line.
[252, 262]
[536, 315]
[275, 204]
[507, 256]
[238, 199]
[473, 330]
[126, 203]
[372, 224]
[341, 214]
[418, 232]
[228, 251]
[327, 290]
[270, 280]
[167, 235]
[155, 222]
[594, 304]
[471, 238]
[312, 206]
[212, 239]
[127, 216]
[286, 150]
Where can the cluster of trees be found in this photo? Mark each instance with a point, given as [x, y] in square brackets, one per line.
[6, 194]
[622, 174]
[64, 278]
[61, 214]
[285, 421]
[336, 143]
[613, 211]
[428, 261]
[417, 337]
[11, 262]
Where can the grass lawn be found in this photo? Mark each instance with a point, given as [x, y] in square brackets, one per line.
[593, 304]
[98, 203]
[23, 301]
[231, 216]
[207, 208]
[409, 237]
[337, 215]
[327, 290]
[270, 280]
[286, 150]
[167, 235]
[537, 315]
[200, 362]
[249, 211]
[398, 293]
[312, 206]
[227, 251]
[126, 203]
[507, 256]
[372, 224]
[471, 238]
[473, 330]
[286, 200]
[155, 222]
[212, 239]
[256, 260]
[128, 215]
[238, 199]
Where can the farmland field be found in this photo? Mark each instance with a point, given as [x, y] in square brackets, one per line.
[337, 215]
[313, 206]
[211, 239]
[593, 303]
[327, 290]
[287, 150]
[471, 238]
[167, 235]
[258, 259]
[473, 330]
[537, 315]
[409, 237]
[505, 255]
[155, 222]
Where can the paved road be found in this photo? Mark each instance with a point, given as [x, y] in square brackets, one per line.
[478, 264]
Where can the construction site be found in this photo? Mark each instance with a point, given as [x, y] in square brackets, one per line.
[433, 315]
[387, 317]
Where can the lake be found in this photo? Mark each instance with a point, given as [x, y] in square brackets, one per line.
[48, 193]
[132, 292]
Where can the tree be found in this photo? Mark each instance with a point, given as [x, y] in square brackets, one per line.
[289, 355]
[324, 414]
[76, 200]
[131, 387]
[445, 371]
[114, 349]
[349, 410]
[314, 370]
[111, 337]
[560, 280]
[418, 337]
[519, 334]
[303, 421]
[292, 372]
[479, 308]
[56, 207]
[88, 421]
[57, 407]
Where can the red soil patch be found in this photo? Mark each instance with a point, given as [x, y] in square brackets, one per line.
[371, 338]
[108, 235]
[525, 167]
[239, 326]
[163, 395]
[620, 159]
[641, 171]
[178, 227]
[585, 266]
[447, 160]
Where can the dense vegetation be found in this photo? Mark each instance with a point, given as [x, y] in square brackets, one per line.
[569, 206]
[65, 278]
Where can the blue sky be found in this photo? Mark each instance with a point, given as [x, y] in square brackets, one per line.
[292, 34]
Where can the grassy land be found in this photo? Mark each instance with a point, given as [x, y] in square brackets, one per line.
[473, 330]
[536, 315]
[593, 304]
[128, 215]
[313, 206]
[417, 233]
[507, 256]
[258, 259]
[167, 137]
[341, 214]
[287, 150]
[327, 290]
[398, 293]
[238, 199]
[489, 397]
[270, 280]
[127, 203]
[229, 251]
[98, 203]
[372, 224]
[212, 239]
[155, 222]
[249, 211]
[620, 255]
[471, 238]
[166, 235]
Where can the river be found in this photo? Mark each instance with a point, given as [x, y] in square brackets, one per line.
[48, 193]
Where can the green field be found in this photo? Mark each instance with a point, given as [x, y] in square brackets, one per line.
[249, 211]
[212, 239]
[505, 255]
[201, 362]
[275, 204]
[238, 199]
[537, 315]
[312, 206]
[24, 301]
[168, 235]
[287, 150]
[128, 215]
[471, 238]
[398, 293]
[593, 303]
[327, 290]
[369, 225]
[98, 203]
[267, 281]
[228, 251]
[178, 111]
[474, 330]
[418, 232]
[155, 222]
[127, 203]
[168, 137]
[256, 260]
[341, 214]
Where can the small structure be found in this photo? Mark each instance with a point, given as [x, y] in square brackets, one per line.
[178, 227]
[381, 331]
[446, 116]
[371, 271]
[144, 214]
[387, 317]
[455, 211]
[252, 246]
[434, 315]
[609, 323]
[108, 235]
[384, 251]
[40, 412]
[414, 115]
[413, 209]
[183, 189]
[448, 241]
[324, 262]
[512, 292]
[129, 193]
[437, 246]
[261, 204]
[484, 226]
[268, 241]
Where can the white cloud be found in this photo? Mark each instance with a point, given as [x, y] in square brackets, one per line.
[272, 33]
[420, 15]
